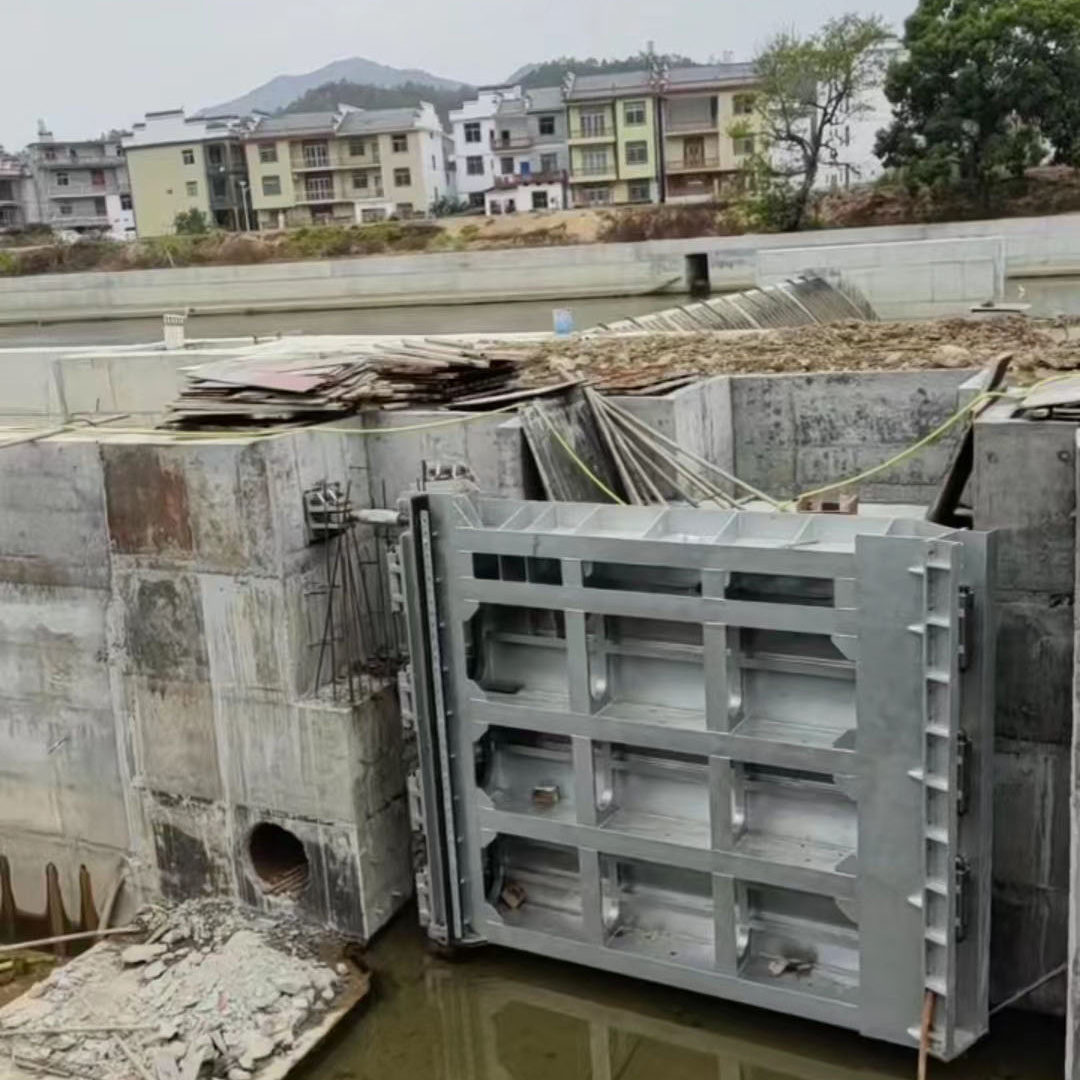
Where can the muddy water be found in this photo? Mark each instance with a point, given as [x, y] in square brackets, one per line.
[503, 1015]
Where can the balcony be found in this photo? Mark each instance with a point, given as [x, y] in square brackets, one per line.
[690, 125]
[512, 142]
[592, 133]
[78, 221]
[509, 182]
[693, 163]
[64, 162]
[592, 173]
[81, 191]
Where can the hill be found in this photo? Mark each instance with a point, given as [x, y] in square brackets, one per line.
[283, 90]
[552, 72]
[327, 97]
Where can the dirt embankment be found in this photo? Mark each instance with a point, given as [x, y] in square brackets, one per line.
[1038, 349]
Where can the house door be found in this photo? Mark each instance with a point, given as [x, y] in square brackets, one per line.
[694, 151]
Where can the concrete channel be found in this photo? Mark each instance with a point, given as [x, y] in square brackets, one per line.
[159, 596]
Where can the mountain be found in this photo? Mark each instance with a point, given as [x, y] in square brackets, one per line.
[283, 90]
[552, 72]
[329, 97]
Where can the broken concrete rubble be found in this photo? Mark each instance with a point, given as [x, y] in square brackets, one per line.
[231, 992]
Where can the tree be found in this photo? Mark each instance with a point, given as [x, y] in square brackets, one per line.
[808, 90]
[190, 222]
[986, 89]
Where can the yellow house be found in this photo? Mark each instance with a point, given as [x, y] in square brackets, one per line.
[701, 108]
[347, 166]
[612, 137]
[177, 164]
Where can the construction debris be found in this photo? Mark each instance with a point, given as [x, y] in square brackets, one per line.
[276, 386]
[226, 993]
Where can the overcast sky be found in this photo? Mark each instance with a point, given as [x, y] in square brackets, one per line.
[87, 65]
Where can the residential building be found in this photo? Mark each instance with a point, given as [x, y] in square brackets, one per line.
[350, 165]
[528, 137]
[473, 127]
[613, 138]
[82, 186]
[520, 194]
[179, 163]
[702, 111]
[18, 203]
[856, 162]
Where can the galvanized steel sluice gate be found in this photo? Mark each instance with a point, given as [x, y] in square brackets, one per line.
[742, 753]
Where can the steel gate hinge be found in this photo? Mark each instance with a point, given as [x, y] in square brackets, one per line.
[963, 880]
[963, 772]
[965, 611]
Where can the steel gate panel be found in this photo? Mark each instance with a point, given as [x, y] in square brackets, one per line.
[742, 753]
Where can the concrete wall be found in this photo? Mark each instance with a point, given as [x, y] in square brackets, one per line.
[918, 279]
[1032, 246]
[158, 603]
[1025, 488]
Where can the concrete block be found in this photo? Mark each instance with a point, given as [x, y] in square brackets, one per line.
[174, 735]
[1028, 939]
[1031, 813]
[1034, 670]
[193, 841]
[139, 384]
[765, 440]
[1024, 487]
[52, 515]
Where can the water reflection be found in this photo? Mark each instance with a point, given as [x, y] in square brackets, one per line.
[501, 1015]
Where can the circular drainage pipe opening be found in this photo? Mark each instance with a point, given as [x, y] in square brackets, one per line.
[279, 859]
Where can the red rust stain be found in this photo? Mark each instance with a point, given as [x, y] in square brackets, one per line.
[147, 502]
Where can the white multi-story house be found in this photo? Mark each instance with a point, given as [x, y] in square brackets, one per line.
[18, 203]
[473, 127]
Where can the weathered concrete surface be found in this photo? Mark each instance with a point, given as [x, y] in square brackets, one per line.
[1032, 246]
[1072, 1026]
[918, 279]
[156, 617]
[1025, 488]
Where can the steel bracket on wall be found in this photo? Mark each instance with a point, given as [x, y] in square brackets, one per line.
[742, 753]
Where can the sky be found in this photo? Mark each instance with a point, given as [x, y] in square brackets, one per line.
[87, 65]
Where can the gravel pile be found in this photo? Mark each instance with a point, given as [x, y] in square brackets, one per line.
[624, 363]
[215, 990]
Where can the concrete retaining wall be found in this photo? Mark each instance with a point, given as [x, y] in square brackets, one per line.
[1025, 488]
[1032, 246]
[918, 279]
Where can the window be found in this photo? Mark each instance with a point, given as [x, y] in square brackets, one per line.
[433, 165]
[359, 181]
[506, 166]
[496, 207]
[97, 177]
[402, 178]
[50, 155]
[634, 113]
[192, 187]
[399, 144]
[639, 191]
[474, 166]
[539, 200]
[373, 215]
[510, 206]
[65, 208]
[594, 163]
[637, 153]
[62, 179]
[99, 207]
[472, 131]
[549, 163]
[743, 104]
[357, 148]
[476, 198]
[593, 123]
[271, 185]
[267, 152]
[214, 155]
[525, 169]
[217, 187]
[188, 156]
[316, 155]
[744, 145]
[125, 201]
[547, 125]
[404, 209]
[596, 196]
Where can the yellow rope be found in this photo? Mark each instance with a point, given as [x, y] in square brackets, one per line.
[924, 442]
[579, 463]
